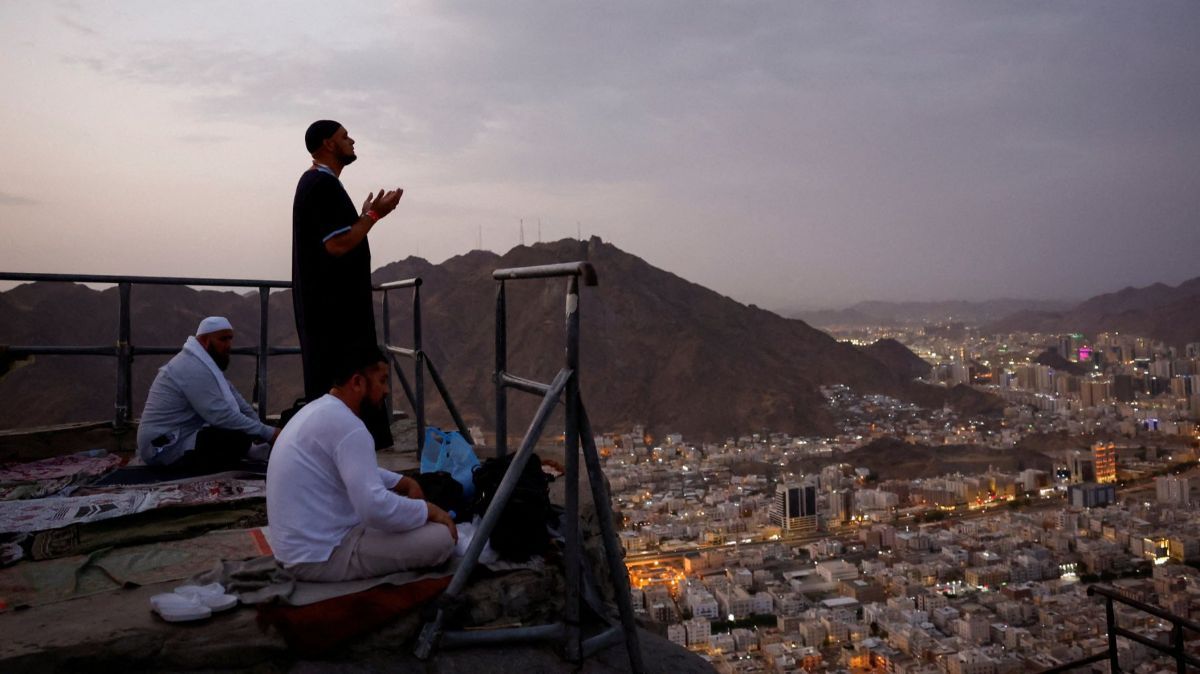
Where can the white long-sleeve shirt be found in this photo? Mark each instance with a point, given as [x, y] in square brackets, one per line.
[323, 480]
[184, 398]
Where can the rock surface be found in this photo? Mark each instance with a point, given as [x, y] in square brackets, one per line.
[117, 630]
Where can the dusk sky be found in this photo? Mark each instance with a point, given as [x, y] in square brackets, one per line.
[791, 154]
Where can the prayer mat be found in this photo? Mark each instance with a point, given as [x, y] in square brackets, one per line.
[162, 524]
[141, 475]
[51, 476]
[315, 629]
[47, 582]
[55, 513]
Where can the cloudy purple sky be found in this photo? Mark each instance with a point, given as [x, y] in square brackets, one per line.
[788, 154]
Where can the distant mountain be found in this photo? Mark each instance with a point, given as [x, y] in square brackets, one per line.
[655, 349]
[1052, 358]
[965, 400]
[893, 459]
[899, 359]
[1162, 312]
[898, 313]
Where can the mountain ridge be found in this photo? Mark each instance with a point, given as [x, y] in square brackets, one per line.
[656, 349]
[1170, 314]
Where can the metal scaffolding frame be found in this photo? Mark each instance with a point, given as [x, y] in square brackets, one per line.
[579, 439]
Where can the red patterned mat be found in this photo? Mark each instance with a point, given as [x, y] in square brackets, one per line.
[51, 476]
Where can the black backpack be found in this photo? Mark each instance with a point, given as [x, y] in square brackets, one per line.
[521, 531]
[442, 490]
[286, 415]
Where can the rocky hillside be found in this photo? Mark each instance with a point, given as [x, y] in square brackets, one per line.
[1167, 313]
[656, 349]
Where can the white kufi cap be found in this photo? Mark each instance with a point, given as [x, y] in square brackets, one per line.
[213, 324]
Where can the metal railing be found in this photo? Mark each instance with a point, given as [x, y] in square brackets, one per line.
[1174, 649]
[579, 439]
[125, 351]
[415, 392]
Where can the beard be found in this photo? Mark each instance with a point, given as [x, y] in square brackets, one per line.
[347, 159]
[221, 359]
[370, 409]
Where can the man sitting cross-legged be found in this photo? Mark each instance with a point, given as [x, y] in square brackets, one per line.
[194, 418]
[334, 514]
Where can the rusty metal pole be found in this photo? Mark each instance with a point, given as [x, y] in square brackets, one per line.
[572, 545]
[419, 374]
[124, 411]
[612, 545]
[501, 368]
[389, 405]
[264, 296]
[1110, 616]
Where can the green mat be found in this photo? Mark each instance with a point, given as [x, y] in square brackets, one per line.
[35, 583]
[161, 524]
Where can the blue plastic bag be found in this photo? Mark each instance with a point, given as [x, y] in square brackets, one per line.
[449, 451]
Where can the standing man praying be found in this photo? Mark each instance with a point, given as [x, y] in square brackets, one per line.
[331, 264]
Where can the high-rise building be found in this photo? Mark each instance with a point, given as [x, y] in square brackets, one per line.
[1091, 495]
[1173, 490]
[841, 506]
[1082, 467]
[1123, 388]
[1104, 454]
[1179, 387]
[1163, 368]
[1093, 392]
[1068, 346]
[794, 508]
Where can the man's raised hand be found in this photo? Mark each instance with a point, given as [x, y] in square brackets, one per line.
[383, 202]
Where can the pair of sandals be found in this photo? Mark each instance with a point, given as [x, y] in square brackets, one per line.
[192, 602]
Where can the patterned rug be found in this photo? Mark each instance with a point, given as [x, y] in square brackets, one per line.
[26, 516]
[54, 475]
[38, 583]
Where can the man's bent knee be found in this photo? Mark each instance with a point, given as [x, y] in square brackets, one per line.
[440, 543]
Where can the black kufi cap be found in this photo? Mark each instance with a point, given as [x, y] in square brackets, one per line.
[318, 132]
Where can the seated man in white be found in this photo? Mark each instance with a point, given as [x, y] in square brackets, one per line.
[194, 418]
[334, 514]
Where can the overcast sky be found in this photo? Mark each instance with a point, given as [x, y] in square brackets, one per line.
[788, 154]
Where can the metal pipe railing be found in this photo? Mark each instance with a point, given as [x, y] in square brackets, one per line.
[125, 350]
[145, 280]
[1174, 649]
[584, 269]
[415, 393]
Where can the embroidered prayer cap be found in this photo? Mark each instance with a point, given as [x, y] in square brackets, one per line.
[213, 324]
[319, 132]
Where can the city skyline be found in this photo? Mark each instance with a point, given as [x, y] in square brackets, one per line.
[792, 157]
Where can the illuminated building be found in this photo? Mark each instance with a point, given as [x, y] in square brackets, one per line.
[1104, 456]
[794, 507]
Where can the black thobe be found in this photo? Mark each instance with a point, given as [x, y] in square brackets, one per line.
[331, 296]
